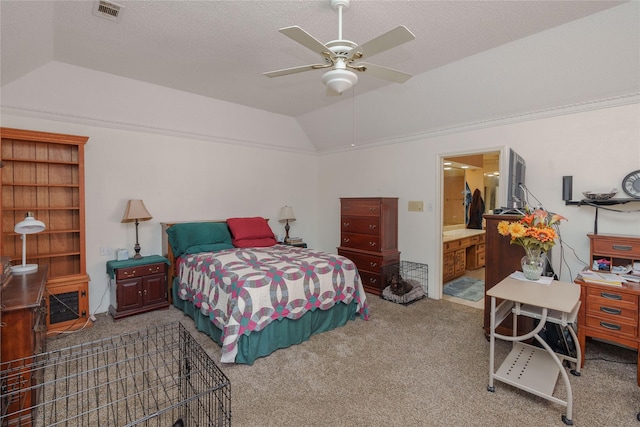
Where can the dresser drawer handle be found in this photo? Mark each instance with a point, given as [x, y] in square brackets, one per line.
[611, 326]
[372, 244]
[621, 247]
[346, 240]
[154, 270]
[373, 264]
[609, 310]
[372, 226]
[607, 295]
[372, 209]
[372, 280]
[346, 224]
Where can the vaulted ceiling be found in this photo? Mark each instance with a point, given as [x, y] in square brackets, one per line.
[220, 49]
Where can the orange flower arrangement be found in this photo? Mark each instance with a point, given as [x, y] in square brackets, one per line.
[535, 232]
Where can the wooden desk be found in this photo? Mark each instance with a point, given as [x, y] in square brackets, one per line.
[527, 367]
[610, 312]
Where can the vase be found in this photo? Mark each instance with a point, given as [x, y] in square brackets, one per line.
[532, 264]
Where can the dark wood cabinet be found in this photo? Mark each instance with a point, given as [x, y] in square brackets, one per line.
[369, 237]
[138, 288]
[501, 259]
[23, 334]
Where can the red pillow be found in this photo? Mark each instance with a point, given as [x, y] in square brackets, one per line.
[249, 228]
[254, 243]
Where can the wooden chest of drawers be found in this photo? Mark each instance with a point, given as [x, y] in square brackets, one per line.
[369, 237]
[610, 312]
[23, 333]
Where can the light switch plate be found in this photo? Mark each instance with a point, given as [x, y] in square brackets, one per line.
[416, 206]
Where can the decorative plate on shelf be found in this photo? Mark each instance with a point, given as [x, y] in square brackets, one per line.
[591, 195]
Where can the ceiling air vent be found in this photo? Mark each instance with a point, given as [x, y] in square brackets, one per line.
[108, 10]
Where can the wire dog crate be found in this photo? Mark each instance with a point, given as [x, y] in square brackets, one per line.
[400, 276]
[155, 377]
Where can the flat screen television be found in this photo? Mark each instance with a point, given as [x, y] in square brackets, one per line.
[515, 193]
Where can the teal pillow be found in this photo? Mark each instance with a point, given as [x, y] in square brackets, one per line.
[185, 235]
[211, 247]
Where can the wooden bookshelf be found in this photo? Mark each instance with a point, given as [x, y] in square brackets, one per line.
[43, 173]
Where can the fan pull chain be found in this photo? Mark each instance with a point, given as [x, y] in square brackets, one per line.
[340, 22]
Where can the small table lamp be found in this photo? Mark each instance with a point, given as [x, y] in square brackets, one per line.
[29, 225]
[286, 214]
[135, 212]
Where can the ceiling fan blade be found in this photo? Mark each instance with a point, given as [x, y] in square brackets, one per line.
[299, 35]
[383, 42]
[294, 70]
[383, 72]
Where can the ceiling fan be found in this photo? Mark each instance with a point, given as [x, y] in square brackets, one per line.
[343, 56]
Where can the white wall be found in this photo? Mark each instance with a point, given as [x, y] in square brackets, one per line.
[179, 179]
[598, 148]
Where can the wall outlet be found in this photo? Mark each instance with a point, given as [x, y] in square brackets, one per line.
[104, 251]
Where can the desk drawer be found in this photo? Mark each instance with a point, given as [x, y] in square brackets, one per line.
[613, 312]
[616, 247]
[141, 270]
[613, 328]
[612, 305]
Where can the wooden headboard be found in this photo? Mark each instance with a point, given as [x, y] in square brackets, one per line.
[168, 252]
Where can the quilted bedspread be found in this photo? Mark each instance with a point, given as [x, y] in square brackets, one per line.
[243, 290]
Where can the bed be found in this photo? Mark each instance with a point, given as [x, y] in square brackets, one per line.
[252, 295]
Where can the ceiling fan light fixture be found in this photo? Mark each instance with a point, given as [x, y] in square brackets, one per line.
[340, 80]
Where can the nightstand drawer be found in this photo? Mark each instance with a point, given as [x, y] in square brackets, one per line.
[141, 270]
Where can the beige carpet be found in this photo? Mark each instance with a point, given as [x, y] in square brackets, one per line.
[425, 364]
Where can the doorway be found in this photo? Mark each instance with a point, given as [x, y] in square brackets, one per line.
[464, 176]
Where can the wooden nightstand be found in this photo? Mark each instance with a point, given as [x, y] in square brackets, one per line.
[138, 285]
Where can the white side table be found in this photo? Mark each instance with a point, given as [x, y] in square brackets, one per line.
[528, 367]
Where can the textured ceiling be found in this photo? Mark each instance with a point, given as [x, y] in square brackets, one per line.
[220, 49]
